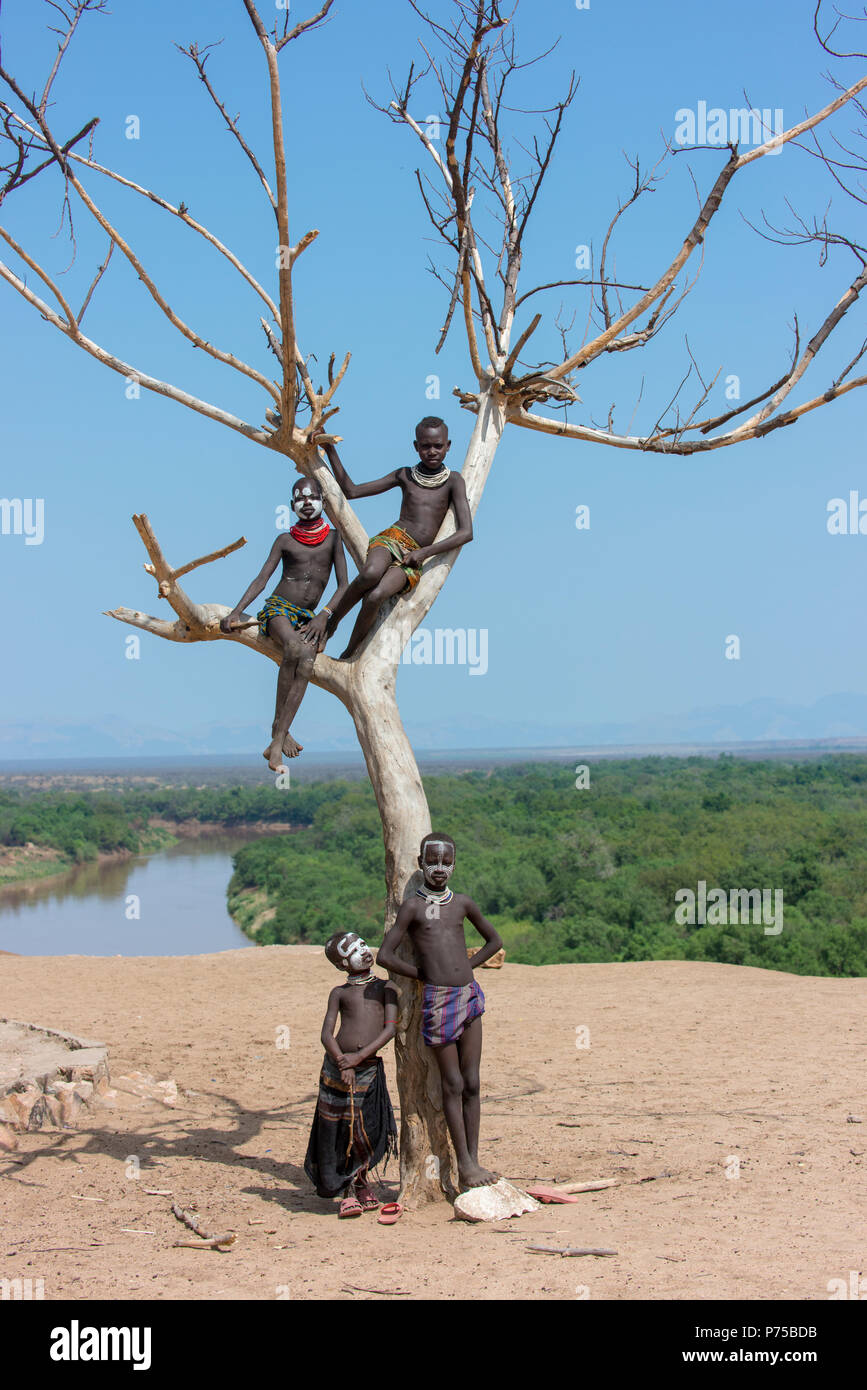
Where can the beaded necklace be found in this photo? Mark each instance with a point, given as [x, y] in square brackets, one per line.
[431, 896]
[366, 981]
[307, 536]
[436, 480]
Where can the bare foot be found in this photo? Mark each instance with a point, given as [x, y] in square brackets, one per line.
[473, 1175]
[275, 753]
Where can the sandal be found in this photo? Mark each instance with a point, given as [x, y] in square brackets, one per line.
[390, 1213]
[350, 1206]
[367, 1197]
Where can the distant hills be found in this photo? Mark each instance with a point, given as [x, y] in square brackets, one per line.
[839, 717]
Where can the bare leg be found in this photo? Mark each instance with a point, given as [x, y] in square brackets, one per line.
[469, 1172]
[291, 685]
[367, 578]
[470, 1053]
[391, 583]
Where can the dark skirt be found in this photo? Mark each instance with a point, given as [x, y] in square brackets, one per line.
[353, 1128]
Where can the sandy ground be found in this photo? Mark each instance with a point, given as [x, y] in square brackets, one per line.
[719, 1097]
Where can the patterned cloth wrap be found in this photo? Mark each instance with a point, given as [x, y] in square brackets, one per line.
[447, 1009]
[353, 1128]
[396, 541]
[276, 607]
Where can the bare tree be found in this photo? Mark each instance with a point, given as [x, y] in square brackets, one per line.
[476, 183]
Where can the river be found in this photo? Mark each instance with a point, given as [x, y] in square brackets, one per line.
[167, 904]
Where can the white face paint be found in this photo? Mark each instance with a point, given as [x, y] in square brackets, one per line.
[353, 949]
[439, 855]
[307, 493]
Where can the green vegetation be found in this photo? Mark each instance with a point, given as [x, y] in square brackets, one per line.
[82, 825]
[591, 875]
[566, 874]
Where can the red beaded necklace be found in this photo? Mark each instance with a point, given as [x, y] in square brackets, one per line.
[307, 536]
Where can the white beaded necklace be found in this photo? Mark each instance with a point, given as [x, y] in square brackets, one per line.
[433, 897]
[366, 981]
[427, 481]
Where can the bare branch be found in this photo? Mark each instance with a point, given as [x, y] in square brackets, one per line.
[181, 211]
[662, 445]
[697, 233]
[96, 279]
[286, 253]
[199, 57]
[132, 374]
[227, 358]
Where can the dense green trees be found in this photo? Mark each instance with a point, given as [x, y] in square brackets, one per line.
[566, 874]
[591, 875]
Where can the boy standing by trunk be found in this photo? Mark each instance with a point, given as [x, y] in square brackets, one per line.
[452, 1002]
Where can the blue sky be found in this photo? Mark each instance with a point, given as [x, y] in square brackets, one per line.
[625, 620]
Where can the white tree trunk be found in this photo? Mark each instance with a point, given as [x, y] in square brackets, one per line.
[370, 696]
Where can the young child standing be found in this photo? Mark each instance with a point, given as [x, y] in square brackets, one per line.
[452, 1002]
[353, 1128]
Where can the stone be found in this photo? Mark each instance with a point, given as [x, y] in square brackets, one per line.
[139, 1083]
[53, 1113]
[86, 1064]
[7, 1138]
[29, 1108]
[495, 962]
[71, 1106]
[8, 1113]
[494, 1203]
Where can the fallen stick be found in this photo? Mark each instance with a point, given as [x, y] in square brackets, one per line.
[211, 1243]
[159, 1191]
[207, 1242]
[359, 1288]
[76, 1198]
[571, 1250]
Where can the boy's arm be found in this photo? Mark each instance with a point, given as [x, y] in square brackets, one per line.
[315, 629]
[386, 957]
[327, 1034]
[463, 522]
[350, 489]
[232, 619]
[493, 940]
[355, 1059]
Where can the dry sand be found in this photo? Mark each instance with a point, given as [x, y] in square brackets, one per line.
[694, 1071]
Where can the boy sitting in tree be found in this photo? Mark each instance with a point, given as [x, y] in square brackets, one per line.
[309, 550]
[395, 556]
[353, 1128]
[452, 1002]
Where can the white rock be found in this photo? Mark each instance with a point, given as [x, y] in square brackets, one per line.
[494, 1203]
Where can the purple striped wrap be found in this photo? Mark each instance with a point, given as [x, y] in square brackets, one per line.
[447, 1009]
